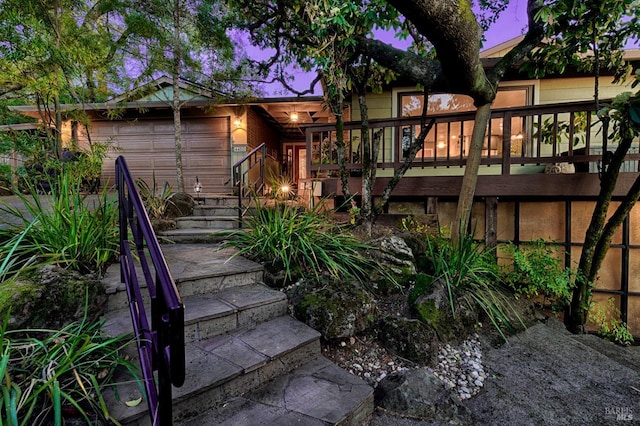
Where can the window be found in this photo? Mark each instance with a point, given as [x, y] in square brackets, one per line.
[451, 140]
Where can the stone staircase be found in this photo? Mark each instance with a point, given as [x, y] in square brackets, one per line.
[248, 362]
[214, 213]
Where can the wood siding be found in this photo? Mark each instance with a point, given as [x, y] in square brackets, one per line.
[148, 146]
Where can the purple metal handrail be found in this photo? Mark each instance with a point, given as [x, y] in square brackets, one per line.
[161, 346]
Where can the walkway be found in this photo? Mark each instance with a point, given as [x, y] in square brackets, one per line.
[547, 376]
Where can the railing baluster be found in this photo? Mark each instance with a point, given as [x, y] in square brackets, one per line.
[541, 132]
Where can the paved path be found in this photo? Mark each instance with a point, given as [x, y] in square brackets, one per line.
[547, 376]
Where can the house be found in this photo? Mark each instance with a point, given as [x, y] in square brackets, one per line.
[538, 176]
[215, 134]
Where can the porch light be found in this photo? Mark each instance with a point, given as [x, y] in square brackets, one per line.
[285, 189]
[293, 116]
[441, 145]
[238, 123]
[197, 189]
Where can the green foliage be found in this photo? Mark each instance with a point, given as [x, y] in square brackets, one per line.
[5, 176]
[58, 52]
[12, 264]
[471, 276]
[537, 271]
[585, 34]
[64, 226]
[299, 242]
[156, 200]
[552, 131]
[87, 164]
[421, 286]
[410, 224]
[609, 324]
[62, 370]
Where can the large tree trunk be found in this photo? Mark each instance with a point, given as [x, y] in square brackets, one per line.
[598, 237]
[177, 122]
[470, 178]
[336, 104]
[177, 133]
[369, 163]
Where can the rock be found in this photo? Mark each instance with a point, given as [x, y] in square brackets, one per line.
[181, 204]
[418, 393]
[393, 255]
[161, 224]
[50, 298]
[434, 308]
[337, 310]
[409, 338]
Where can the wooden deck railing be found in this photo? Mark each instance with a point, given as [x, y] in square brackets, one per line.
[521, 137]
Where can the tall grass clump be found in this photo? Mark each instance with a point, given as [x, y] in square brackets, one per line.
[156, 199]
[59, 375]
[471, 275]
[63, 225]
[10, 263]
[301, 243]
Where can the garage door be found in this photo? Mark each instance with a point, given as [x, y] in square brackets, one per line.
[148, 146]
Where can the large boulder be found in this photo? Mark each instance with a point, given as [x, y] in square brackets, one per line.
[337, 310]
[409, 338]
[180, 204]
[395, 257]
[434, 308]
[417, 393]
[50, 298]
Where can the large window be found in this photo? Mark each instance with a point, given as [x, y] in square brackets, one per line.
[452, 139]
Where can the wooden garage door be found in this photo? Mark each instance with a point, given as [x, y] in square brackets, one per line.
[148, 146]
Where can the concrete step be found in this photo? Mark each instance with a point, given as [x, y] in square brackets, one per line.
[212, 314]
[197, 269]
[224, 367]
[217, 200]
[207, 222]
[215, 211]
[192, 236]
[317, 393]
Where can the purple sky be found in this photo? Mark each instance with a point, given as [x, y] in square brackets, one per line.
[511, 24]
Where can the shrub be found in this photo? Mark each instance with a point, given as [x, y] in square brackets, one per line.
[62, 371]
[66, 227]
[287, 238]
[537, 271]
[471, 276]
[156, 199]
[609, 324]
[5, 177]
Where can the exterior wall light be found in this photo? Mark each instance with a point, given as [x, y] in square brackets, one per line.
[197, 188]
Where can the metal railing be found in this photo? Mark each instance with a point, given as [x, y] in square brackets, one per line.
[161, 345]
[249, 178]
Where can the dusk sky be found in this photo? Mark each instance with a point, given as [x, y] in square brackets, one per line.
[511, 23]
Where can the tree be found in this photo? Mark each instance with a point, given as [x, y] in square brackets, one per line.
[57, 52]
[590, 35]
[188, 40]
[333, 35]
